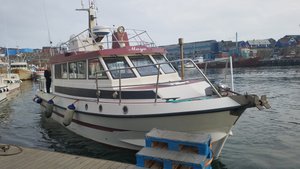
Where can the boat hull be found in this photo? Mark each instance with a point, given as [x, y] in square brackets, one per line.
[3, 94]
[12, 81]
[24, 74]
[128, 131]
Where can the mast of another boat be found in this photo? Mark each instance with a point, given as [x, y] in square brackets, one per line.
[231, 72]
[8, 68]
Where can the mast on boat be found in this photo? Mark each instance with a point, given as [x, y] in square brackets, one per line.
[91, 13]
[9, 62]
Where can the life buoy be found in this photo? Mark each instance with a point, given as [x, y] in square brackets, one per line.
[69, 114]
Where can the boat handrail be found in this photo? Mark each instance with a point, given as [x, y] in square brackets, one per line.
[120, 86]
[158, 65]
[227, 60]
[87, 40]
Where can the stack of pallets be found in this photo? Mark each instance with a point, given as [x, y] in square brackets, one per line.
[175, 150]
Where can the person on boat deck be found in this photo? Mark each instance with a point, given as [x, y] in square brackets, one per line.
[47, 74]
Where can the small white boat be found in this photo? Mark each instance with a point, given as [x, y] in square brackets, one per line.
[38, 73]
[21, 68]
[115, 91]
[12, 81]
[3, 91]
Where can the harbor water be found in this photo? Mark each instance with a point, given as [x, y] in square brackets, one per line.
[261, 139]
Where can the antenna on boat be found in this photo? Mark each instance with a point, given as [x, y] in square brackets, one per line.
[46, 17]
[82, 5]
[48, 29]
[91, 13]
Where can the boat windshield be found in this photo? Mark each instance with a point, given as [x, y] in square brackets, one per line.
[114, 63]
[96, 68]
[166, 67]
[147, 66]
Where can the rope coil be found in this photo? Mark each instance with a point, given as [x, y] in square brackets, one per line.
[9, 150]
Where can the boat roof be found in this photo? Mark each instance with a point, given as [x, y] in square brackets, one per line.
[129, 50]
[18, 63]
[105, 41]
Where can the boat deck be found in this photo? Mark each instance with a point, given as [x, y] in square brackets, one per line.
[27, 158]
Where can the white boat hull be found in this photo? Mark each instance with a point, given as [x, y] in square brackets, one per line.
[128, 130]
[23, 73]
[3, 96]
[12, 81]
[39, 75]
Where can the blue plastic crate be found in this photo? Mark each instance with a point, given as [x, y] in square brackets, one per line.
[176, 140]
[168, 158]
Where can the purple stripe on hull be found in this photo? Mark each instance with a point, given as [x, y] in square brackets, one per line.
[93, 126]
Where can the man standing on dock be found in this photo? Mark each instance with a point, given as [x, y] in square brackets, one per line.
[47, 74]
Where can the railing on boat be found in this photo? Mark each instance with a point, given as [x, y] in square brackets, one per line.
[195, 73]
[87, 39]
[176, 65]
[227, 60]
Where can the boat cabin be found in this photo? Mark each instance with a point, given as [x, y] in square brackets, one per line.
[128, 67]
[89, 72]
[19, 65]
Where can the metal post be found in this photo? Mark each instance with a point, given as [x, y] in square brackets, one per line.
[180, 41]
[157, 81]
[206, 79]
[231, 72]
[97, 89]
[120, 95]
[226, 70]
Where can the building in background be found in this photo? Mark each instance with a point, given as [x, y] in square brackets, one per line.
[208, 50]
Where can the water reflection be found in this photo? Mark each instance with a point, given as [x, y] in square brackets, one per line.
[4, 113]
[217, 164]
[58, 138]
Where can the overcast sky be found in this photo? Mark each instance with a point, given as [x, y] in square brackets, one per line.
[25, 23]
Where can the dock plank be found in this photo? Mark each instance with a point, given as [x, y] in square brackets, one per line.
[99, 164]
[6, 161]
[40, 159]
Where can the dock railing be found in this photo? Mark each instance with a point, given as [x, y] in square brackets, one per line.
[195, 73]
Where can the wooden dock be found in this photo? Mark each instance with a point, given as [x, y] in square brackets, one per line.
[15, 157]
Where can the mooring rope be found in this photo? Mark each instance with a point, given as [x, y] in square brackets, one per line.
[5, 150]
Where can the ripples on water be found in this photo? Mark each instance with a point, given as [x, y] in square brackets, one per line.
[22, 123]
[261, 139]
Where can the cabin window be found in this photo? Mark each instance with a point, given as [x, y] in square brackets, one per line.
[166, 67]
[147, 66]
[57, 71]
[118, 67]
[64, 72]
[77, 70]
[95, 67]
